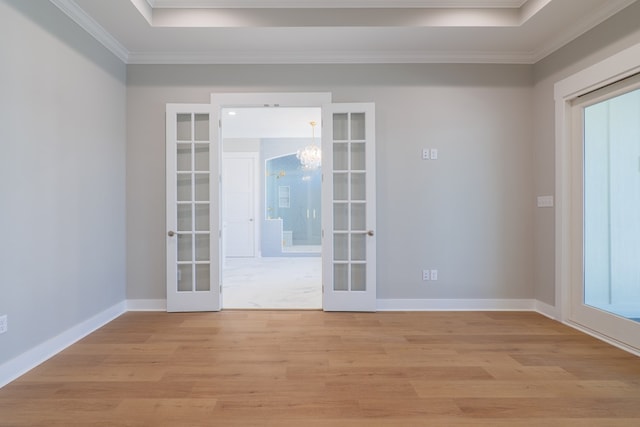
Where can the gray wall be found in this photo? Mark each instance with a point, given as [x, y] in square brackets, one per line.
[619, 32]
[468, 214]
[62, 175]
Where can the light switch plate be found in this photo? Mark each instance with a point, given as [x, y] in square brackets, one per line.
[545, 201]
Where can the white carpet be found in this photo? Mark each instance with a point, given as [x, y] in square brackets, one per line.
[278, 282]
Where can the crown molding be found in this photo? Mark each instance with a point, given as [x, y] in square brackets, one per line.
[87, 23]
[579, 28]
[288, 4]
[352, 57]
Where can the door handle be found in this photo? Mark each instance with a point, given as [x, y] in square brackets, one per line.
[171, 233]
[250, 219]
[370, 233]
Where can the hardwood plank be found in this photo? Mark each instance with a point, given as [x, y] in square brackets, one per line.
[529, 389]
[310, 368]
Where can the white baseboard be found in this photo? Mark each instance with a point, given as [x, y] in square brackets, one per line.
[546, 310]
[456, 305]
[146, 305]
[23, 363]
[604, 338]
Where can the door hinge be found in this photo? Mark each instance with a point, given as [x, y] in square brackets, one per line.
[220, 234]
[220, 288]
[220, 123]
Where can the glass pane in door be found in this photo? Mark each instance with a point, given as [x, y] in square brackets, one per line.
[183, 157]
[184, 217]
[340, 126]
[192, 204]
[357, 126]
[341, 277]
[185, 277]
[183, 127]
[202, 157]
[612, 205]
[349, 202]
[201, 127]
[203, 277]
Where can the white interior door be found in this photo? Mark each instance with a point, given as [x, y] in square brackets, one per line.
[192, 216]
[239, 183]
[349, 207]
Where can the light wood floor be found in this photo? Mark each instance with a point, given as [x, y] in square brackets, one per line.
[309, 368]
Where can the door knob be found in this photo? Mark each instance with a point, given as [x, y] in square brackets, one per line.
[171, 233]
[370, 233]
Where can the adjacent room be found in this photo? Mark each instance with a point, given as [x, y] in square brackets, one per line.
[272, 208]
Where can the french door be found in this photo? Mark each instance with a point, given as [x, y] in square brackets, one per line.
[194, 208]
[605, 294]
[349, 207]
[192, 191]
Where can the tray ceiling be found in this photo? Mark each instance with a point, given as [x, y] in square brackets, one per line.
[336, 31]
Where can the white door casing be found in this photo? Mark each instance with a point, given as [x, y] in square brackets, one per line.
[568, 187]
[599, 318]
[192, 210]
[349, 251]
[349, 207]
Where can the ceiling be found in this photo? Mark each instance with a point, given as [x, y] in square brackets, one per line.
[336, 31]
[281, 122]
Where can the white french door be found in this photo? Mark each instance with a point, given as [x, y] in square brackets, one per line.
[192, 217]
[605, 290]
[348, 207]
[194, 208]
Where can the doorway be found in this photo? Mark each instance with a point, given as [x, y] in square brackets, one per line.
[195, 204]
[271, 217]
[605, 297]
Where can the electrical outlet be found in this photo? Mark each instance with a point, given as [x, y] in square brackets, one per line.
[426, 275]
[434, 154]
[434, 274]
[425, 154]
[4, 325]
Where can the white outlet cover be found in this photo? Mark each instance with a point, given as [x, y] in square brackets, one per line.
[425, 154]
[545, 201]
[4, 326]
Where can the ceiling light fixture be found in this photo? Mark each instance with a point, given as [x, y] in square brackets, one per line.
[311, 156]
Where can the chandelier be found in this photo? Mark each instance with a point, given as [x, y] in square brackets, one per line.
[311, 156]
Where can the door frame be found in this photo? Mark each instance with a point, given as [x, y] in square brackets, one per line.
[219, 101]
[568, 252]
